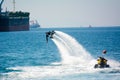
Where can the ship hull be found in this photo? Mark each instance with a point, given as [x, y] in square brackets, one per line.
[15, 28]
[14, 23]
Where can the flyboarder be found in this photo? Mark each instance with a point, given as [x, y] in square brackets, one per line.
[49, 35]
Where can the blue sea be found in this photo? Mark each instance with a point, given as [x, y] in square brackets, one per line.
[70, 55]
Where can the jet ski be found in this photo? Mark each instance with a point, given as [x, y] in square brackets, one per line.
[102, 63]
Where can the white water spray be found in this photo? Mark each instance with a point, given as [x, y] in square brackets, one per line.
[71, 51]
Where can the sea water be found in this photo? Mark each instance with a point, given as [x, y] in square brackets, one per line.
[70, 55]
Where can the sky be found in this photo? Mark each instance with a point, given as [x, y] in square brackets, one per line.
[69, 13]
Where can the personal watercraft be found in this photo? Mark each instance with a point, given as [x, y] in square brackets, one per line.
[102, 63]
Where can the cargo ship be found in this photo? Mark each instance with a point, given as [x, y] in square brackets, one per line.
[13, 21]
[34, 24]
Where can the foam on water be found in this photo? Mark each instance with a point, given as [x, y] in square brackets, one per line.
[40, 72]
[45, 71]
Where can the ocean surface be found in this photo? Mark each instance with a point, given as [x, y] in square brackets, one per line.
[70, 55]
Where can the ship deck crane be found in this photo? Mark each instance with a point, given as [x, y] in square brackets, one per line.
[14, 5]
[1, 6]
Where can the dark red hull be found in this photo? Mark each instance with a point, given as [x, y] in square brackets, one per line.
[16, 22]
[14, 28]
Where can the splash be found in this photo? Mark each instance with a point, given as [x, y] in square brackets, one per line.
[71, 51]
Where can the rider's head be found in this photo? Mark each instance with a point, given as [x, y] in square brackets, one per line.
[104, 51]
